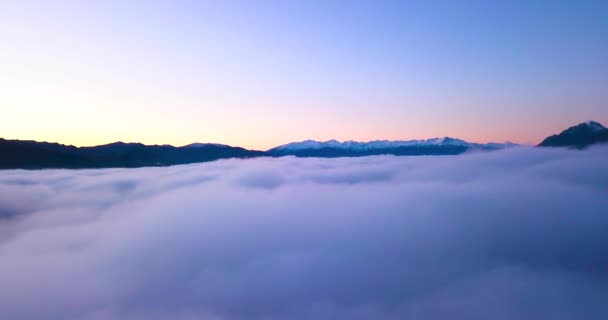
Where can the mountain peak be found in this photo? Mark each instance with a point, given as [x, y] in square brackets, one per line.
[589, 127]
[594, 125]
[121, 144]
[578, 136]
[447, 141]
[199, 145]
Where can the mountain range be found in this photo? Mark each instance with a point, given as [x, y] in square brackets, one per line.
[22, 154]
[36, 155]
[333, 148]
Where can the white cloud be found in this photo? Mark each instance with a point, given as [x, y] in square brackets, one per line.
[518, 233]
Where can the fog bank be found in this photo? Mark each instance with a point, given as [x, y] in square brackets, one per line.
[512, 234]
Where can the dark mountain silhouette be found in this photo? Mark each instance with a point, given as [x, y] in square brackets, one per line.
[18, 154]
[579, 136]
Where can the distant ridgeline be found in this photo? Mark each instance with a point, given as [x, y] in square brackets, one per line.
[16, 154]
[19, 154]
[333, 148]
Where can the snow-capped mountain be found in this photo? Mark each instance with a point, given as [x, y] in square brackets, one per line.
[578, 136]
[376, 144]
[595, 126]
[334, 148]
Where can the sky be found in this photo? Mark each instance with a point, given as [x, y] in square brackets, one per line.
[263, 73]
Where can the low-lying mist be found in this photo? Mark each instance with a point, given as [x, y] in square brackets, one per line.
[512, 234]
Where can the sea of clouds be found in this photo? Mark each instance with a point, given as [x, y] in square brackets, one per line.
[513, 234]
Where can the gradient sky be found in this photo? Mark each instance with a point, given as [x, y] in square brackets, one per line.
[263, 73]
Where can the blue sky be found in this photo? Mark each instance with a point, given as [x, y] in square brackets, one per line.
[263, 73]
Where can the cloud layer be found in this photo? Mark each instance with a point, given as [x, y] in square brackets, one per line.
[513, 234]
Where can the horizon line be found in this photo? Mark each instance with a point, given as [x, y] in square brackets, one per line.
[260, 149]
